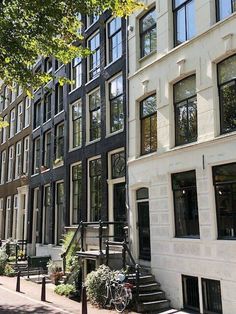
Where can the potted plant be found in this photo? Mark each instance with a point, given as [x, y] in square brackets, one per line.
[54, 272]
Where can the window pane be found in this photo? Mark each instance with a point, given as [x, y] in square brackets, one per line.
[148, 33]
[224, 8]
[186, 88]
[180, 25]
[118, 165]
[190, 19]
[228, 107]
[227, 70]
[183, 179]
[211, 296]
[148, 20]
[142, 194]
[225, 173]
[148, 106]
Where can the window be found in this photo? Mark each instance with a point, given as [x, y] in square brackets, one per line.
[190, 293]
[95, 115]
[8, 232]
[2, 100]
[12, 122]
[94, 57]
[15, 209]
[225, 8]
[60, 218]
[48, 65]
[185, 103]
[18, 160]
[26, 156]
[148, 33]
[224, 178]
[19, 122]
[184, 20]
[47, 150]
[116, 104]
[3, 166]
[37, 113]
[4, 131]
[148, 117]
[47, 107]
[10, 163]
[48, 217]
[91, 19]
[8, 96]
[227, 94]
[58, 64]
[76, 182]
[76, 124]
[95, 171]
[59, 152]
[36, 155]
[185, 204]
[211, 293]
[114, 39]
[27, 112]
[37, 212]
[76, 73]
[59, 98]
[118, 165]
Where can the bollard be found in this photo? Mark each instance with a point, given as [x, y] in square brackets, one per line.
[84, 300]
[43, 292]
[18, 282]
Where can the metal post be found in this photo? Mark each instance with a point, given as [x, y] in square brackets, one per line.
[137, 272]
[64, 263]
[18, 282]
[82, 237]
[84, 300]
[100, 236]
[107, 253]
[123, 256]
[43, 292]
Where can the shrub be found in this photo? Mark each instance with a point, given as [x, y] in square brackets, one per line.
[3, 261]
[9, 271]
[65, 289]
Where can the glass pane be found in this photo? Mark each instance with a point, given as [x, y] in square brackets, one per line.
[114, 25]
[153, 135]
[178, 2]
[118, 165]
[148, 106]
[116, 87]
[225, 173]
[142, 194]
[183, 179]
[228, 107]
[148, 20]
[146, 135]
[192, 120]
[185, 88]
[224, 8]
[190, 20]
[180, 26]
[227, 69]
[181, 123]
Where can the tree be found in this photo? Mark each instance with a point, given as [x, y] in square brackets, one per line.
[33, 28]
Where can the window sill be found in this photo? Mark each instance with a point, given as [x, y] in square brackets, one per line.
[114, 133]
[59, 164]
[37, 128]
[45, 122]
[57, 114]
[147, 56]
[112, 62]
[74, 148]
[60, 67]
[93, 79]
[93, 142]
[34, 175]
[73, 90]
[187, 238]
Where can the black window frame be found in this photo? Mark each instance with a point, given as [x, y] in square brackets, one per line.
[177, 235]
[209, 296]
[143, 33]
[219, 94]
[185, 296]
[37, 114]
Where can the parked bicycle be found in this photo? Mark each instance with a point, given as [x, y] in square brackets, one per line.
[118, 293]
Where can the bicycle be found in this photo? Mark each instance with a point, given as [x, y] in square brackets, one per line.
[118, 293]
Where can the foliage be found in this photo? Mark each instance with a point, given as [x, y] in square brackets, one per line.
[3, 261]
[53, 267]
[71, 259]
[29, 29]
[9, 271]
[96, 283]
[65, 289]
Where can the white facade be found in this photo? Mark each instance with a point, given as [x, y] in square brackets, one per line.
[172, 257]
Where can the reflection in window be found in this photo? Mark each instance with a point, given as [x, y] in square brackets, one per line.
[76, 193]
[95, 171]
[59, 153]
[76, 125]
[48, 217]
[227, 92]
[94, 57]
[60, 196]
[185, 204]
[185, 102]
[114, 39]
[148, 116]
[95, 115]
[184, 20]
[76, 73]
[118, 165]
[116, 104]
[148, 33]
[225, 8]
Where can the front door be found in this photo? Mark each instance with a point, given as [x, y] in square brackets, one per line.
[144, 231]
[119, 209]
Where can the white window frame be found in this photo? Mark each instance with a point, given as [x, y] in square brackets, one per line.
[18, 160]
[4, 131]
[88, 141]
[26, 156]
[12, 123]
[10, 163]
[3, 167]
[56, 208]
[35, 169]
[88, 60]
[15, 209]
[8, 209]
[43, 221]
[77, 102]
[78, 77]
[71, 191]
[27, 104]
[107, 41]
[19, 123]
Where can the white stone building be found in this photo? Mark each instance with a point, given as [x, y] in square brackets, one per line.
[182, 130]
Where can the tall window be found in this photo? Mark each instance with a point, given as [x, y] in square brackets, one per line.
[211, 293]
[19, 122]
[15, 209]
[76, 188]
[95, 115]
[60, 196]
[91, 19]
[227, 94]
[8, 232]
[59, 98]
[47, 150]
[224, 178]
[116, 104]
[76, 73]
[114, 39]
[148, 33]
[94, 58]
[3, 167]
[76, 124]
[26, 156]
[47, 107]
[48, 217]
[185, 204]
[37, 212]
[48, 65]
[191, 293]
[4, 131]
[10, 163]
[59, 153]
[148, 116]
[18, 160]
[225, 8]
[27, 112]
[37, 113]
[184, 20]
[118, 165]
[185, 102]
[36, 155]
[12, 122]
[95, 171]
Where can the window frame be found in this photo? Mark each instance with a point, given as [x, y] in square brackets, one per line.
[10, 166]
[109, 39]
[97, 50]
[73, 69]
[3, 167]
[90, 211]
[73, 121]
[217, 5]
[26, 156]
[47, 155]
[59, 103]
[18, 160]
[59, 140]
[79, 208]
[36, 156]
[205, 282]
[98, 109]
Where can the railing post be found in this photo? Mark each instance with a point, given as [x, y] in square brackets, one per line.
[16, 253]
[43, 291]
[100, 236]
[64, 263]
[107, 253]
[18, 282]
[124, 255]
[82, 236]
[137, 272]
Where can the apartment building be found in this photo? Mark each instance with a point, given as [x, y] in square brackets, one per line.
[14, 163]
[78, 141]
[182, 149]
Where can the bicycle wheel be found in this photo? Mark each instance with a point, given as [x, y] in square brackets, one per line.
[121, 299]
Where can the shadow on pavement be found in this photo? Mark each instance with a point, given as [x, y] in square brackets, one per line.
[27, 309]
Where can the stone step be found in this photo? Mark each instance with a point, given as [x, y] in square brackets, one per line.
[148, 287]
[152, 296]
[153, 306]
[142, 279]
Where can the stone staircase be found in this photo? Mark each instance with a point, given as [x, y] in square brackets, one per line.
[151, 299]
